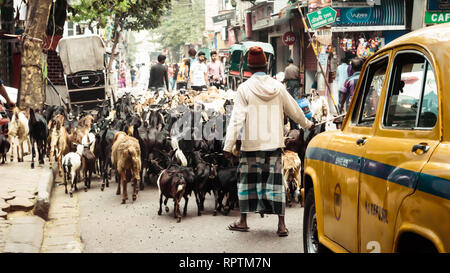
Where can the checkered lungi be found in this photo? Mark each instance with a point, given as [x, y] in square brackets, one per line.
[260, 185]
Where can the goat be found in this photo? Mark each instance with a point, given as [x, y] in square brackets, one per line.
[126, 158]
[59, 142]
[291, 174]
[89, 140]
[72, 167]
[38, 134]
[171, 184]
[226, 184]
[87, 166]
[4, 147]
[18, 128]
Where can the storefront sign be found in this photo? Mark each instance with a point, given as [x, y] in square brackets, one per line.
[322, 17]
[223, 17]
[289, 38]
[432, 17]
[439, 5]
[391, 13]
[264, 23]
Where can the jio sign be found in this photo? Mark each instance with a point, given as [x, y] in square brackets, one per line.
[289, 38]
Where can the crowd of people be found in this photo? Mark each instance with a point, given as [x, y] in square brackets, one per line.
[195, 72]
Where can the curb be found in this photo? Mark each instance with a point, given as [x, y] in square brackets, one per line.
[45, 188]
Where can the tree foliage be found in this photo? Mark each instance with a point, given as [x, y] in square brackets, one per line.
[131, 15]
[183, 24]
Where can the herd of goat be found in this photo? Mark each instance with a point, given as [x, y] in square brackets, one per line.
[135, 140]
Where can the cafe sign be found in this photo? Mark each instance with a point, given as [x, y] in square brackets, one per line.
[432, 17]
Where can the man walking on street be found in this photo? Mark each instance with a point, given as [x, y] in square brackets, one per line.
[292, 79]
[199, 73]
[258, 110]
[346, 93]
[215, 71]
[158, 75]
[293, 84]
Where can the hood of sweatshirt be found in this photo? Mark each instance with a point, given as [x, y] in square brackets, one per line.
[264, 87]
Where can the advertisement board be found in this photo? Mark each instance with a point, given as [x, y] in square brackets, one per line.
[438, 5]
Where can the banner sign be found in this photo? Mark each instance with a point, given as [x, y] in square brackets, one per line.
[439, 5]
[392, 14]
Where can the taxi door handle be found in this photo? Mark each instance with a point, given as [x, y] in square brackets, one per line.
[421, 146]
[361, 141]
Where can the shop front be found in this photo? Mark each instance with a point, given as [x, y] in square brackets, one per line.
[360, 30]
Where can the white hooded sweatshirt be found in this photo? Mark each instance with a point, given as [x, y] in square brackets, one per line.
[260, 104]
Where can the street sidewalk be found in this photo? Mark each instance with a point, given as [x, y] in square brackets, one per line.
[20, 189]
[61, 232]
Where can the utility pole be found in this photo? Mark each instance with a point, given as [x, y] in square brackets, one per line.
[31, 80]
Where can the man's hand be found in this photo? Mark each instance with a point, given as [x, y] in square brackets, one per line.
[313, 126]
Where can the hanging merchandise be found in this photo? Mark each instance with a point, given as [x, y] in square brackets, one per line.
[349, 44]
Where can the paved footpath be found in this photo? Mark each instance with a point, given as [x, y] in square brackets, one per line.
[18, 192]
[61, 232]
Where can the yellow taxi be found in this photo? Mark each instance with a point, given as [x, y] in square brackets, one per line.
[382, 182]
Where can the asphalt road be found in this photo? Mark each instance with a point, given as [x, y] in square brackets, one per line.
[108, 226]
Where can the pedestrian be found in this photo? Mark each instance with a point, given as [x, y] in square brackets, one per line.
[216, 72]
[346, 93]
[173, 79]
[342, 73]
[198, 76]
[3, 93]
[292, 79]
[123, 80]
[259, 108]
[143, 76]
[170, 73]
[183, 75]
[192, 53]
[133, 72]
[159, 78]
[293, 84]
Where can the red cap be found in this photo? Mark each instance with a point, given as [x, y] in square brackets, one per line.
[256, 58]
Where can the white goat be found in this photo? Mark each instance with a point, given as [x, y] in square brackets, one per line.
[178, 152]
[89, 139]
[18, 128]
[72, 168]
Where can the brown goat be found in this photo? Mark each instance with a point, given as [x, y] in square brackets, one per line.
[126, 159]
[171, 184]
[87, 166]
[83, 128]
[59, 141]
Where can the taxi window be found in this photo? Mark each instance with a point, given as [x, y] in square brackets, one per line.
[366, 110]
[412, 96]
[429, 109]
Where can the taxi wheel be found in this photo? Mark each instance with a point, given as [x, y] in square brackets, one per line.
[311, 242]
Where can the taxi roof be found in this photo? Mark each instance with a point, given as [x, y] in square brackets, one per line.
[433, 38]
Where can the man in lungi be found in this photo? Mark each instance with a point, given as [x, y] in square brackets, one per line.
[259, 107]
